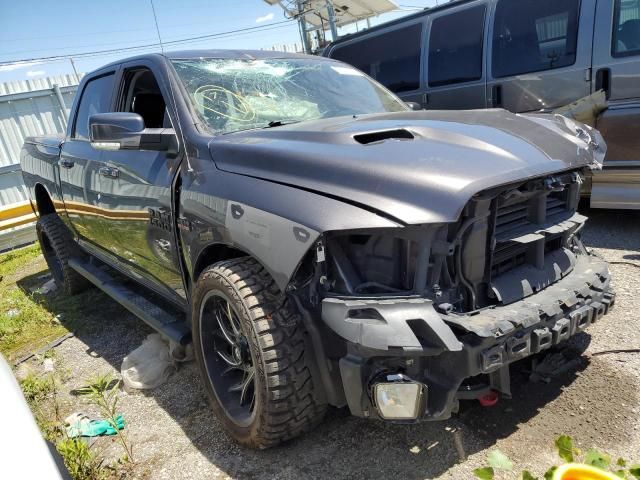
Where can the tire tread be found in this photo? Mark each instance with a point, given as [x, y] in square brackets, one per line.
[292, 406]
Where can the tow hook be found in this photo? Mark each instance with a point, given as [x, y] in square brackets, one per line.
[489, 399]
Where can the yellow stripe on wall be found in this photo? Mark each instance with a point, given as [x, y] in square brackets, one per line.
[16, 222]
[15, 210]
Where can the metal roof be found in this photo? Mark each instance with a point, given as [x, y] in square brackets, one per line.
[35, 84]
[26, 113]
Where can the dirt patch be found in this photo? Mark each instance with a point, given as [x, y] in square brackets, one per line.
[596, 402]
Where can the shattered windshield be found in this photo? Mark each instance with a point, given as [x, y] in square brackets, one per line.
[241, 94]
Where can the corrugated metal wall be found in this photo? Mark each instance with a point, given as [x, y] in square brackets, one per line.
[31, 107]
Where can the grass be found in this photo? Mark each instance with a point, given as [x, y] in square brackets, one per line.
[80, 459]
[24, 318]
[30, 320]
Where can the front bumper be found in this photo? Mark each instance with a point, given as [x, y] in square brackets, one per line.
[440, 351]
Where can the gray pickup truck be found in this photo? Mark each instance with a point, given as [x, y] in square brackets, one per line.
[318, 241]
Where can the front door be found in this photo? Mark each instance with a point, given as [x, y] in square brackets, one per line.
[540, 53]
[135, 192]
[455, 73]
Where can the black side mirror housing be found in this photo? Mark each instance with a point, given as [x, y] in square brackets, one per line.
[126, 131]
[413, 105]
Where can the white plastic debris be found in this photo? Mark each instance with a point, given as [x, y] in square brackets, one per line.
[180, 353]
[47, 365]
[48, 287]
[149, 365]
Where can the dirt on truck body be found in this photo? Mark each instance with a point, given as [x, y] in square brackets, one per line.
[319, 241]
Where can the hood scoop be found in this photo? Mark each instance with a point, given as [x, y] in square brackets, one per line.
[375, 137]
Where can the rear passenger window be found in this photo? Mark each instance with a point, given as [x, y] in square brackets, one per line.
[534, 35]
[456, 57]
[96, 97]
[392, 58]
[626, 28]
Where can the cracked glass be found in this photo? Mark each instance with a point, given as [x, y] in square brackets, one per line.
[242, 94]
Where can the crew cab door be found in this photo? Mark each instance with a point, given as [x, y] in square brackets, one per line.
[455, 65]
[136, 190]
[79, 161]
[616, 70]
[540, 53]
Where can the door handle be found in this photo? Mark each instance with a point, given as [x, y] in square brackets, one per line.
[496, 96]
[603, 81]
[66, 163]
[109, 172]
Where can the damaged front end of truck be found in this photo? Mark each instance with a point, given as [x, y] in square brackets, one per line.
[417, 318]
[481, 265]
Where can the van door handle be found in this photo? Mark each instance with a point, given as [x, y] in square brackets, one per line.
[66, 163]
[603, 81]
[496, 96]
[109, 172]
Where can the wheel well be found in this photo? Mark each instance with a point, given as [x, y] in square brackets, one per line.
[43, 201]
[213, 254]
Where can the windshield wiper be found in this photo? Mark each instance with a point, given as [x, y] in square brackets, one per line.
[280, 123]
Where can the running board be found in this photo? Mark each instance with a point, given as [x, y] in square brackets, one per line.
[155, 316]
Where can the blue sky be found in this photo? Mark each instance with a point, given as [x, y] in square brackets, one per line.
[42, 28]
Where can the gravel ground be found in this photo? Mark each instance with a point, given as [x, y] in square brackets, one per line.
[596, 402]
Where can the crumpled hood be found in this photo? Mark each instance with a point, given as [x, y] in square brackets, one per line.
[428, 178]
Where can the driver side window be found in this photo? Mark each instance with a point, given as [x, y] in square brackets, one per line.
[142, 95]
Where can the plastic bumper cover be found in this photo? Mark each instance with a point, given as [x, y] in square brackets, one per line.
[408, 335]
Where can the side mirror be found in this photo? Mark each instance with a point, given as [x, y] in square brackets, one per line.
[125, 131]
[413, 105]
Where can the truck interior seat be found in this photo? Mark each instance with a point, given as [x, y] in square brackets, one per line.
[629, 34]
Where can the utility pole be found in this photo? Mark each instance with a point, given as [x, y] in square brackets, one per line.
[302, 24]
[332, 20]
[73, 65]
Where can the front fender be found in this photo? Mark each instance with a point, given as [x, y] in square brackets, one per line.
[274, 223]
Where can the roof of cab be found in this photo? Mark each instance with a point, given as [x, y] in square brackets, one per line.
[226, 54]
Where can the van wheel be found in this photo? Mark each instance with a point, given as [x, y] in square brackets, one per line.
[57, 244]
[249, 342]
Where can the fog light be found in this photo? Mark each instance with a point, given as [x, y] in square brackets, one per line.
[399, 398]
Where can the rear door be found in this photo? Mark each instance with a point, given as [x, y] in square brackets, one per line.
[540, 53]
[455, 72]
[616, 69]
[616, 53]
[79, 161]
[136, 190]
[393, 56]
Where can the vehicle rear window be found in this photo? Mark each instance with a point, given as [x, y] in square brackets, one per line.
[534, 35]
[96, 98]
[392, 58]
[456, 58]
[626, 28]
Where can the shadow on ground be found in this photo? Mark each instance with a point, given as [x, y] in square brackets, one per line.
[343, 446]
[613, 229]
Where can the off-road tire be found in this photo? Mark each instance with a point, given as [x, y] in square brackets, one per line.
[287, 402]
[57, 247]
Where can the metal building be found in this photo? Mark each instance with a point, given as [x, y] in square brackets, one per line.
[31, 107]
